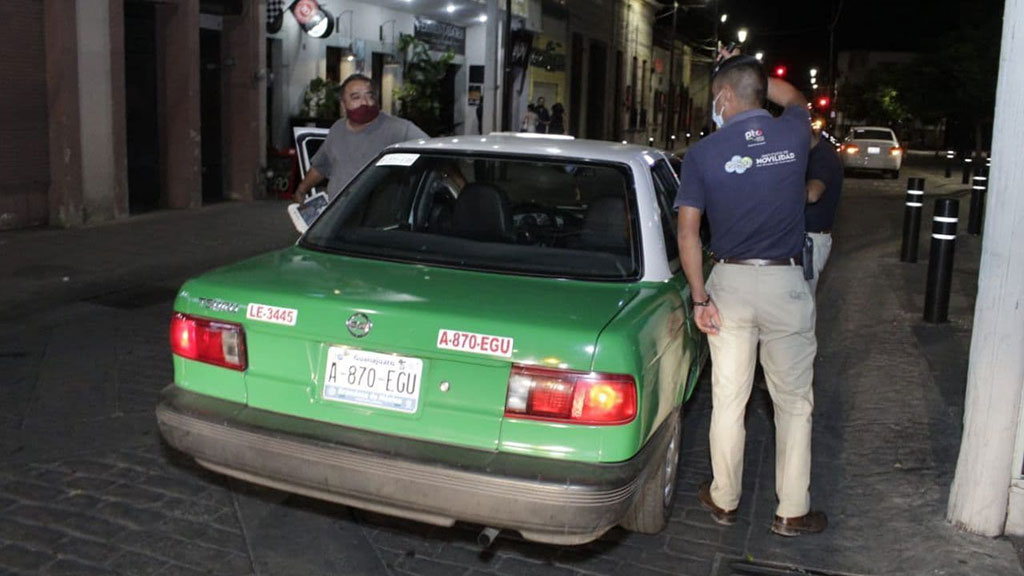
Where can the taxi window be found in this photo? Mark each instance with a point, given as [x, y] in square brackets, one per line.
[519, 215]
[665, 186]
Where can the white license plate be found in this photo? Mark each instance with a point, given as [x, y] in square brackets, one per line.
[372, 379]
[874, 150]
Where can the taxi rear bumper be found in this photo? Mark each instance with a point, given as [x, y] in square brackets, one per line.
[546, 500]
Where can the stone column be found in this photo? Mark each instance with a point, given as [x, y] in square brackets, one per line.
[65, 194]
[178, 98]
[244, 100]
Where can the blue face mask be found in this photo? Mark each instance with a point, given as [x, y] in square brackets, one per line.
[715, 116]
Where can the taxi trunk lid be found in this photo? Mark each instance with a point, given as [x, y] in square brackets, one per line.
[404, 349]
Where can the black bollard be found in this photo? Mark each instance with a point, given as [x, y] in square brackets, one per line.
[979, 189]
[912, 219]
[940, 260]
[967, 170]
[950, 154]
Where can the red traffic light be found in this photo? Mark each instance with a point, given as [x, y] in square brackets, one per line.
[823, 102]
[780, 71]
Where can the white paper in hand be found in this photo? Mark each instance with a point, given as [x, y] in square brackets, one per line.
[304, 214]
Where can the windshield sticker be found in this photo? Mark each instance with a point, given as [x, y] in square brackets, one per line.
[474, 343]
[271, 314]
[398, 160]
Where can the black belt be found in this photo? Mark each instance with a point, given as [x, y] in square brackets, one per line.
[797, 260]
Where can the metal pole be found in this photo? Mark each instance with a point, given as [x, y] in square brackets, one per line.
[950, 154]
[506, 93]
[979, 188]
[967, 169]
[670, 127]
[940, 260]
[912, 220]
[711, 68]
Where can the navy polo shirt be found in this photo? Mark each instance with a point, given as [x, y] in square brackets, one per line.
[749, 177]
[824, 164]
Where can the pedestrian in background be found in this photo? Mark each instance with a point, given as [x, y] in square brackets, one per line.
[355, 139]
[529, 123]
[543, 116]
[557, 119]
[749, 177]
[824, 185]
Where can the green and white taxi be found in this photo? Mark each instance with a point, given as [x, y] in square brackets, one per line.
[489, 329]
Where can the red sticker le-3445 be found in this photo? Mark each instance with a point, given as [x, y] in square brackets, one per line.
[272, 314]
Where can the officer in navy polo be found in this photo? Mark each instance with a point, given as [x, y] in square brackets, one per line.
[824, 184]
[749, 178]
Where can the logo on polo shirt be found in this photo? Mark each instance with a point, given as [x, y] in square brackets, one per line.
[775, 158]
[738, 165]
[754, 137]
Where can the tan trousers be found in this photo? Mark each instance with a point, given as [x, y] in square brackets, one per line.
[773, 306]
[822, 248]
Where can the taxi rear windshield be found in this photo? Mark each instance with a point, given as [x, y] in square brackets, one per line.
[512, 215]
[872, 135]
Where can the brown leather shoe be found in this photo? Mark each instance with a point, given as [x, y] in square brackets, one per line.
[811, 523]
[724, 517]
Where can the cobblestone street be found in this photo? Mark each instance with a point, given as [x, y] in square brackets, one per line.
[87, 487]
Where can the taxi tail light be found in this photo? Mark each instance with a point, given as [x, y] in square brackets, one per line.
[571, 397]
[210, 341]
[895, 151]
[851, 149]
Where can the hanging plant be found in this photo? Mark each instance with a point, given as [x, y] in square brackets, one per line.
[419, 96]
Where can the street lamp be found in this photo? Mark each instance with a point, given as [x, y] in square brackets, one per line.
[759, 55]
[814, 72]
[741, 35]
[724, 18]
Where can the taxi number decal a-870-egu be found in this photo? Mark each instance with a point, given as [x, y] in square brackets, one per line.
[372, 379]
[475, 343]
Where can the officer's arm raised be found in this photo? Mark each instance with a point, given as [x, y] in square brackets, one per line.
[785, 94]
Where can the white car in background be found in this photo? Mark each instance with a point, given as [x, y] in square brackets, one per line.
[872, 148]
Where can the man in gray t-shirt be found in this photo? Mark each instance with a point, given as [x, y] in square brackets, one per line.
[355, 139]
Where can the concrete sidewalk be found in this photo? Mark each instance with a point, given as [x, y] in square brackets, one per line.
[86, 487]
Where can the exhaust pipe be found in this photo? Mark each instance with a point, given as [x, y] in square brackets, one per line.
[487, 536]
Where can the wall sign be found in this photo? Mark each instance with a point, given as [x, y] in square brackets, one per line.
[440, 36]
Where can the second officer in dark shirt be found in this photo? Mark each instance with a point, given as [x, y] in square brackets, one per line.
[824, 184]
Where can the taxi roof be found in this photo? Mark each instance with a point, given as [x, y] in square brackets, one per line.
[531, 144]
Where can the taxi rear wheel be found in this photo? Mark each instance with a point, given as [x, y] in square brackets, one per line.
[653, 506]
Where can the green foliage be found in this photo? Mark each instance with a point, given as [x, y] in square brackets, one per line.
[954, 81]
[420, 93]
[321, 99]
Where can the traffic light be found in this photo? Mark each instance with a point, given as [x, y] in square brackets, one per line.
[823, 102]
[780, 71]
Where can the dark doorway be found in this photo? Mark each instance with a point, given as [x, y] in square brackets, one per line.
[595, 88]
[141, 107]
[377, 75]
[575, 84]
[447, 99]
[210, 114]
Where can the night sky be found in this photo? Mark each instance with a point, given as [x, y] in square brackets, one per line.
[796, 32]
